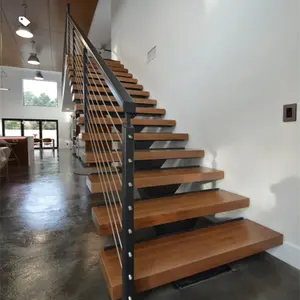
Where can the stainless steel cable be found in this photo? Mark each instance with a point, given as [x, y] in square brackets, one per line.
[108, 207]
[94, 139]
[96, 146]
[108, 146]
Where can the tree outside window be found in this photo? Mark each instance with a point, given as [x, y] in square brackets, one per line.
[40, 93]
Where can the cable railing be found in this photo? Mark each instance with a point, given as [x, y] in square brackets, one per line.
[93, 78]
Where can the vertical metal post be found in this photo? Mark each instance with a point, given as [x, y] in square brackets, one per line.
[85, 88]
[73, 49]
[68, 29]
[128, 208]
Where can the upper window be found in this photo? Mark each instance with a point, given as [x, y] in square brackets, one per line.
[40, 93]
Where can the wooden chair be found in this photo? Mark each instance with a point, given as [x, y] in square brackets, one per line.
[36, 142]
[48, 142]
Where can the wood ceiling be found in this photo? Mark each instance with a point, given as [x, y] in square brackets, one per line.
[47, 24]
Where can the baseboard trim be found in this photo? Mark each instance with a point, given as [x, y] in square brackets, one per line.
[289, 253]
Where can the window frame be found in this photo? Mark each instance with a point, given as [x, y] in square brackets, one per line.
[40, 128]
[30, 79]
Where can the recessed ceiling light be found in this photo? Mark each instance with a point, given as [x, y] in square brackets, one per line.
[24, 32]
[38, 76]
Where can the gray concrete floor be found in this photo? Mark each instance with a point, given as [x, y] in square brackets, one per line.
[49, 247]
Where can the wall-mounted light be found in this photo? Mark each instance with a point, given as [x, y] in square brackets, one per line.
[38, 75]
[4, 89]
[23, 29]
[33, 59]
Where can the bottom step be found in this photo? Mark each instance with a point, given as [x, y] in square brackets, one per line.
[167, 259]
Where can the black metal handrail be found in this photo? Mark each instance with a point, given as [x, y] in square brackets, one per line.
[88, 52]
[119, 92]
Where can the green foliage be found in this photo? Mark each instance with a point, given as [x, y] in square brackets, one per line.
[12, 124]
[48, 125]
[29, 125]
[42, 100]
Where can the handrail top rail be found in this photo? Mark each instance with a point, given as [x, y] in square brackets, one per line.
[120, 93]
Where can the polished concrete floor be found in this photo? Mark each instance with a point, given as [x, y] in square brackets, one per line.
[49, 248]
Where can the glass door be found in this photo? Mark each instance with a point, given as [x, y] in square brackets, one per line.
[44, 132]
[49, 134]
[12, 128]
[32, 128]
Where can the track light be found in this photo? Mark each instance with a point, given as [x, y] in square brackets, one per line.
[38, 76]
[24, 32]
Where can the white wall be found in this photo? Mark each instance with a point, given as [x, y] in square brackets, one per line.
[12, 101]
[100, 30]
[223, 70]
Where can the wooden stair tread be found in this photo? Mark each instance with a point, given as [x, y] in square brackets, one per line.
[79, 74]
[148, 213]
[145, 155]
[97, 74]
[139, 110]
[107, 61]
[151, 178]
[93, 67]
[100, 83]
[100, 98]
[137, 136]
[167, 259]
[75, 88]
[136, 122]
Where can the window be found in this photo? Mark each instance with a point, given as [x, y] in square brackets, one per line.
[40, 93]
[44, 132]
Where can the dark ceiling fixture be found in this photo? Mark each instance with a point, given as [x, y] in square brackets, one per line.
[23, 29]
[33, 58]
[38, 75]
[1, 49]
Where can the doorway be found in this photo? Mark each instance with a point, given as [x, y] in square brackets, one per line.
[44, 132]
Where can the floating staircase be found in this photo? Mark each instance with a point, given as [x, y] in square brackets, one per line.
[181, 254]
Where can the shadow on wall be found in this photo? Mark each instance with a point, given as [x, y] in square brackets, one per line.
[287, 200]
[282, 214]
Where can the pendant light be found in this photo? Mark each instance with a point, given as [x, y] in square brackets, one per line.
[38, 76]
[33, 59]
[1, 49]
[24, 31]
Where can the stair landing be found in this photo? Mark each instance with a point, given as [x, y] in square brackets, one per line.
[164, 260]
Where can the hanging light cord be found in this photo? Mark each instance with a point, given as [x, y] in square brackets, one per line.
[25, 7]
[33, 48]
